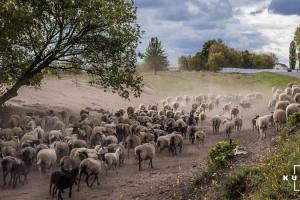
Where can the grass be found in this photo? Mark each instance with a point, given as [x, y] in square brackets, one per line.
[269, 79]
[190, 83]
[266, 180]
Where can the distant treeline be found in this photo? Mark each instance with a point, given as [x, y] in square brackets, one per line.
[215, 55]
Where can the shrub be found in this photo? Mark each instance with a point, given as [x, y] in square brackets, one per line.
[221, 153]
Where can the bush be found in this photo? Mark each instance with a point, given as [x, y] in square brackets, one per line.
[294, 119]
[234, 186]
[221, 153]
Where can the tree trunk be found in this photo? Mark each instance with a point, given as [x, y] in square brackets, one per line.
[13, 91]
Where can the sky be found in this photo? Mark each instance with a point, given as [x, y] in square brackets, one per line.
[261, 26]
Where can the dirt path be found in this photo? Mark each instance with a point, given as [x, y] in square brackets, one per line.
[128, 183]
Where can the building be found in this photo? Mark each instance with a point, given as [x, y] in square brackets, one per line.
[280, 66]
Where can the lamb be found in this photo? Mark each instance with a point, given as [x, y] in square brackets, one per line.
[216, 122]
[163, 142]
[46, 160]
[91, 167]
[292, 108]
[279, 117]
[131, 142]
[281, 105]
[145, 152]
[112, 159]
[238, 123]
[61, 181]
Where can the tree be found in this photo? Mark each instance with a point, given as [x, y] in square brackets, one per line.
[98, 37]
[293, 56]
[183, 63]
[297, 40]
[155, 56]
[216, 61]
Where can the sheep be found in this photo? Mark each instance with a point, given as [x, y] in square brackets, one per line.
[272, 104]
[131, 142]
[254, 122]
[9, 165]
[61, 181]
[238, 123]
[200, 136]
[288, 91]
[91, 167]
[122, 131]
[67, 163]
[76, 143]
[112, 159]
[14, 121]
[55, 135]
[262, 124]
[176, 140]
[284, 97]
[180, 126]
[292, 108]
[229, 126]
[46, 159]
[216, 122]
[163, 142]
[61, 149]
[202, 117]
[281, 105]
[297, 98]
[226, 108]
[279, 117]
[146, 137]
[295, 90]
[191, 130]
[234, 112]
[145, 152]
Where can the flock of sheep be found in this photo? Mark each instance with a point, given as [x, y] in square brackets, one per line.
[97, 141]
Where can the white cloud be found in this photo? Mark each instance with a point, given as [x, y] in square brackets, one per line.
[183, 26]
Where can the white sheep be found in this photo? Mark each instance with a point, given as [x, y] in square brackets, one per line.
[262, 123]
[91, 167]
[145, 152]
[281, 105]
[216, 122]
[292, 108]
[229, 126]
[279, 117]
[46, 160]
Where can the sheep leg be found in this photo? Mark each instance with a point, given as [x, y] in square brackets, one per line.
[151, 164]
[70, 192]
[80, 174]
[50, 188]
[54, 191]
[5, 173]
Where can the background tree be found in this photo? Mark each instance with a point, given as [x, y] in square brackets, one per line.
[92, 36]
[216, 61]
[155, 56]
[297, 40]
[292, 56]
